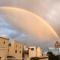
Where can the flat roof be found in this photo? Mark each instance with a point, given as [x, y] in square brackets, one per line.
[5, 38]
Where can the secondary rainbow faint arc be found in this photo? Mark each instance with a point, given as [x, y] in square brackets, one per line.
[39, 18]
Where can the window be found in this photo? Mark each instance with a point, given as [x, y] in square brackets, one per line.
[0, 58]
[20, 51]
[15, 51]
[4, 42]
[9, 44]
[32, 48]
[8, 50]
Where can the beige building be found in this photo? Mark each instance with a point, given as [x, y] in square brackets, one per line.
[10, 50]
[32, 51]
[3, 48]
[35, 52]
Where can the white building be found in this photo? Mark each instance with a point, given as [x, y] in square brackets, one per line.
[54, 50]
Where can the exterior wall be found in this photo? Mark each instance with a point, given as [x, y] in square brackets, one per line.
[4, 42]
[3, 53]
[57, 44]
[26, 53]
[39, 52]
[8, 48]
[35, 52]
[3, 48]
[32, 52]
[16, 50]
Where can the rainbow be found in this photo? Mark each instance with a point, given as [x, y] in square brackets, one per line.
[39, 22]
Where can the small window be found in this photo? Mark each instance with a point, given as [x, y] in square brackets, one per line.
[9, 44]
[32, 48]
[15, 51]
[20, 51]
[0, 58]
[8, 50]
[4, 42]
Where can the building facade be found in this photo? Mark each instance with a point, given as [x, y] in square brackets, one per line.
[14, 50]
[35, 52]
[10, 50]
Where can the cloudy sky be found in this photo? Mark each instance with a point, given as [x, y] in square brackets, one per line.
[47, 9]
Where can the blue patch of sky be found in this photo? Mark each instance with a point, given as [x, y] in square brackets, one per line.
[7, 29]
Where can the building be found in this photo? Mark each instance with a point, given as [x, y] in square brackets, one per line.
[17, 49]
[35, 52]
[3, 47]
[54, 50]
[32, 51]
[10, 50]
[57, 44]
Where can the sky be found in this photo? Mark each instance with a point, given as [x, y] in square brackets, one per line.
[26, 27]
[9, 31]
[48, 9]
